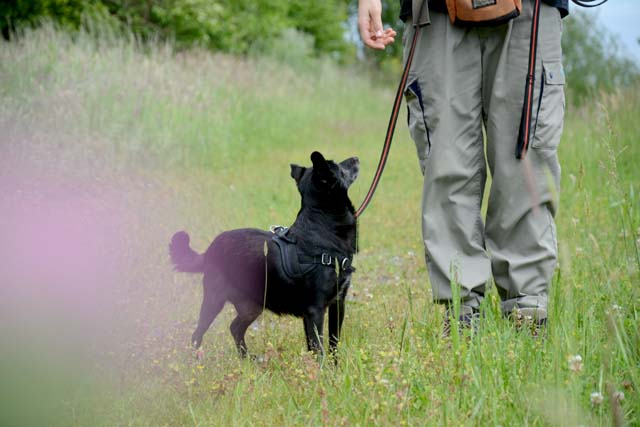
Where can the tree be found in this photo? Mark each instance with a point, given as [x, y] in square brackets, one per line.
[15, 14]
[592, 58]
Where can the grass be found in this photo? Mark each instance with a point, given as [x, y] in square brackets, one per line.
[108, 147]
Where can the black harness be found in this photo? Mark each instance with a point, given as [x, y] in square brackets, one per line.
[296, 264]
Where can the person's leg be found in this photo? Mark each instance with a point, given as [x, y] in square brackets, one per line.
[443, 97]
[520, 231]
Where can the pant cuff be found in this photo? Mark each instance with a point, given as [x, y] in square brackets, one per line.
[473, 301]
[535, 302]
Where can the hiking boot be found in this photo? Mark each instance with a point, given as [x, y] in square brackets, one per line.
[531, 319]
[468, 320]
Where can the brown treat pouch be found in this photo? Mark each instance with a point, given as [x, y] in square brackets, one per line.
[482, 13]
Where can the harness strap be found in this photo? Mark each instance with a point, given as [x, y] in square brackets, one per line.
[296, 264]
[326, 259]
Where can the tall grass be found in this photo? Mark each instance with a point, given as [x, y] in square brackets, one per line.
[124, 144]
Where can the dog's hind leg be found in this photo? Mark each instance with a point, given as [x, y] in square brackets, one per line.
[212, 304]
[247, 313]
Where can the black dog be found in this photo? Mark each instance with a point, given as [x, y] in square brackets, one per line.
[299, 271]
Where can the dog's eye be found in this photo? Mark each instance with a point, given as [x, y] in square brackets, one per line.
[323, 181]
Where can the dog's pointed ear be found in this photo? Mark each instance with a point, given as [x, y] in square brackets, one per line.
[350, 168]
[319, 163]
[297, 172]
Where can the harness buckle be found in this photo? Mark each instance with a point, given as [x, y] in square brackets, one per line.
[326, 259]
[346, 262]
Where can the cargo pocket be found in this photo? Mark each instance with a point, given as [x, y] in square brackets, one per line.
[417, 122]
[550, 111]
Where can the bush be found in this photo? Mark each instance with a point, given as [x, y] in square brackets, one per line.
[69, 14]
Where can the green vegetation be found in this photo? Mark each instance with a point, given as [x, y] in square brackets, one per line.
[593, 60]
[238, 26]
[293, 31]
[142, 141]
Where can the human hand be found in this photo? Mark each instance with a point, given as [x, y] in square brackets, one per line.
[370, 25]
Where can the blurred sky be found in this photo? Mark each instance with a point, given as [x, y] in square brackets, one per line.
[621, 17]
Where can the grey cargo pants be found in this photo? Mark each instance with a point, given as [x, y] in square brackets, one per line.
[465, 86]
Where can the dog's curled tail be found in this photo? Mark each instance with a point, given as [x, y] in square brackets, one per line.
[185, 259]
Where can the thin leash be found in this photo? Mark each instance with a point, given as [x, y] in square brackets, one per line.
[392, 123]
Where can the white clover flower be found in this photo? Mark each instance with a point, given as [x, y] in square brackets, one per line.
[615, 310]
[597, 398]
[575, 363]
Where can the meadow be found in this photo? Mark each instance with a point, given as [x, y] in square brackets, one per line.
[109, 146]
